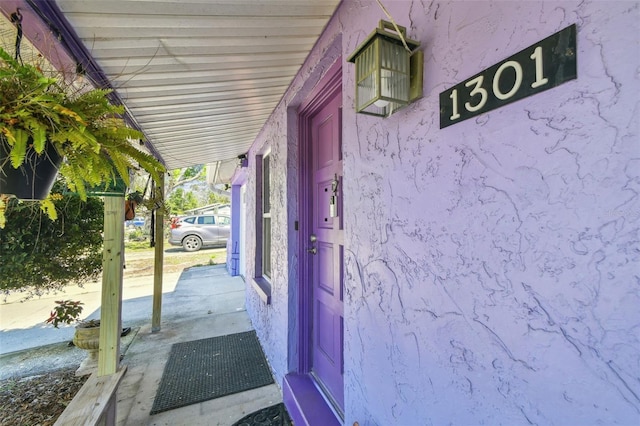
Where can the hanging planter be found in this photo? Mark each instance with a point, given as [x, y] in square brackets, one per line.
[43, 119]
[34, 178]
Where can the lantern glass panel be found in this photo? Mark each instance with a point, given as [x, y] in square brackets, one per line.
[367, 76]
[382, 77]
[394, 61]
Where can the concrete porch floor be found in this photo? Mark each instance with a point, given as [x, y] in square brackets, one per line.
[199, 303]
[207, 302]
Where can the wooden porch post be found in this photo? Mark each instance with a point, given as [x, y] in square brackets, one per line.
[112, 265]
[159, 258]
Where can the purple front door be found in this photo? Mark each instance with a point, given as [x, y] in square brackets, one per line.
[326, 250]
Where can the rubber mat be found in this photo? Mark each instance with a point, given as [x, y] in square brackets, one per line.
[276, 415]
[205, 369]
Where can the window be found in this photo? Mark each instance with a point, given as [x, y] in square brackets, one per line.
[266, 217]
[206, 220]
[261, 281]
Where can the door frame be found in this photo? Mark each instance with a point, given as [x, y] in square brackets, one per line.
[329, 86]
[305, 402]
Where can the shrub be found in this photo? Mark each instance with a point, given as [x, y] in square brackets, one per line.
[137, 234]
[40, 255]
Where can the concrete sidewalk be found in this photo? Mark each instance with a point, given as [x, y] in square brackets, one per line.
[22, 323]
[205, 302]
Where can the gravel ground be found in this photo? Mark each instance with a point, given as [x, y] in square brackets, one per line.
[38, 400]
[41, 382]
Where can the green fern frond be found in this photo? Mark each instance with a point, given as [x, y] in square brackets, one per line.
[68, 112]
[74, 140]
[122, 166]
[49, 208]
[146, 161]
[38, 133]
[19, 150]
[8, 134]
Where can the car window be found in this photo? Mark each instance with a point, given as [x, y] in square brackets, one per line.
[224, 220]
[189, 219]
[206, 220]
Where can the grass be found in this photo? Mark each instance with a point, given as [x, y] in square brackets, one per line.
[138, 245]
[140, 262]
[200, 258]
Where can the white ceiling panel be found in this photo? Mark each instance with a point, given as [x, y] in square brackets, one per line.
[200, 77]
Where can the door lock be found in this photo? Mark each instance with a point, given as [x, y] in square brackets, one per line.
[333, 199]
[313, 238]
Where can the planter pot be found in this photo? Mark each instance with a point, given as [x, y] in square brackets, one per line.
[87, 338]
[34, 179]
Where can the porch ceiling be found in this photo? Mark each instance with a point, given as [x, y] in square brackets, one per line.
[199, 77]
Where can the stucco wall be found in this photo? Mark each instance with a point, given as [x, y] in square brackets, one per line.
[495, 280]
[270, 320]
[491, 267]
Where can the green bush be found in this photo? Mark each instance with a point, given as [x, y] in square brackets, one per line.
[137, 234]
[39, 255]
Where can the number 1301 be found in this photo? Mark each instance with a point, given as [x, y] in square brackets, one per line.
[538, 68]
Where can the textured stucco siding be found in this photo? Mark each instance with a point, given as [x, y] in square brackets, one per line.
[492, 268]
[270, 320]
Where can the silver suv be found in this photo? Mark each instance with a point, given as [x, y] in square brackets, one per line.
[194, 232]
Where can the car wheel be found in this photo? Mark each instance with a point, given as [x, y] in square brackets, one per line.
[192, 243]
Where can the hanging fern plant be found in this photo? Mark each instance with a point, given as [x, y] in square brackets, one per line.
[85, 129]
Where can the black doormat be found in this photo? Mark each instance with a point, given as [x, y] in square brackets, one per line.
[210, 368]
[276, 415]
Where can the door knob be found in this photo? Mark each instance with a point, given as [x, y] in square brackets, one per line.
[313, 238]
[312, 250]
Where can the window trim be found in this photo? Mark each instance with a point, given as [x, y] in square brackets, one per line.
[261, 282]
[266, 263]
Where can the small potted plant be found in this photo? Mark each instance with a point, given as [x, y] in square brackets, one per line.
[45, 121]
[86, 336]
[130, 204]
[65, 312]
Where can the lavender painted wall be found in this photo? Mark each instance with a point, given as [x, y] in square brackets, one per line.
[233, 243]
[491, 267]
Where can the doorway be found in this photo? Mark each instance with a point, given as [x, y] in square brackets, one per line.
[321, 321]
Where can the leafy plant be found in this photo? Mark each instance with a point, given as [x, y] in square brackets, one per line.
[135, 196]
[137, 234]
[85, 128]
[40, 255]
[181, 200]
[65, 312]
[68, 312]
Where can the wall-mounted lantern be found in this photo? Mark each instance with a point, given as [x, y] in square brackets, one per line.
[243, 161]
[388, 71]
